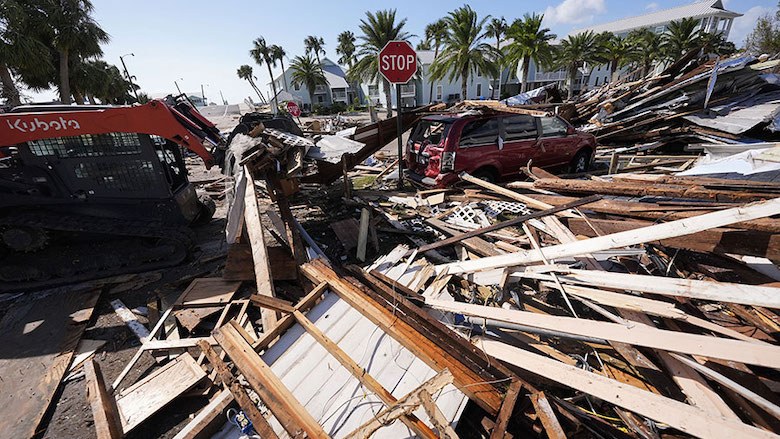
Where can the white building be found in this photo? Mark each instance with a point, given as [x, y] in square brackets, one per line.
[337, 90]
[712, 16]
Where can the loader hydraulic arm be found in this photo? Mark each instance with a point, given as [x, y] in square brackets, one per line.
[154, 118]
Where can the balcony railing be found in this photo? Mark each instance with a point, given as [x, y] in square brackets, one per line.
[408, 90]
[550, 76]
[373, 91]
[340, 96]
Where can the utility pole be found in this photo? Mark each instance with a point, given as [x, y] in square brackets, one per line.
[224, 102]
[129, 78]
[202, 94]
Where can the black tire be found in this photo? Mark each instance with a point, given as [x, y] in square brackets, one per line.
[486, 174]
[581, 162]
[207, 209]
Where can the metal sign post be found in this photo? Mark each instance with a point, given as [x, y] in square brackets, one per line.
[398, 64]
[400, 126]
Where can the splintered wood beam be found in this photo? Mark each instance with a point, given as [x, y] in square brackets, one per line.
[259, 422]
[275, 395]
[288, 320]
[436, 417]
[104, 411]
[743, 294]
[546, 414]
[507, 407]
[639, 334]
[365, 217]
[272, 303]
[361, 374]
[681, 416]
[209, 419]
[622, 239]
[404, 406]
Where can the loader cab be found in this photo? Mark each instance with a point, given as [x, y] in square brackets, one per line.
[108, 175]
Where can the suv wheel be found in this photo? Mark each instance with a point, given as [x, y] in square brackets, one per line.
[580, 163]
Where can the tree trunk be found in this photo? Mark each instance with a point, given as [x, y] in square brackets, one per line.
[257, 90]
[388, 98]
[572, 78]
[464, 75]
[498, 80]
[435, 55]
[64, 77]
[526, 66]
[9, 88]
[613, 71]
[311, 100]
[78, 96]
[273, 86]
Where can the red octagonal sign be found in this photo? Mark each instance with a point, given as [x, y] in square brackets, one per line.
[398, 62]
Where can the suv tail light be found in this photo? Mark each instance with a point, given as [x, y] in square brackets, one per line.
[447, 161]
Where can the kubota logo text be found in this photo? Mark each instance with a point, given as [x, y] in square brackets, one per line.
[37, 124]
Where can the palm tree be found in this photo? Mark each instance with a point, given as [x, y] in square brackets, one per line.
[315, 46]
[262, 53]
[617, 52]
[464, 51]
[378, 29]
[681, 37]
[305, 72]
[496, 28]
[20, 46]
[423, 45]
[346, 48]
[530, 42]
[245, 72]
[75, 33]
[574, 52]
[434, 35]
[715, 43]
[278, 53]
[647, 48]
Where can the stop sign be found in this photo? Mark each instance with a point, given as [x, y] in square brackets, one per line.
[398, 62]
[293, 109]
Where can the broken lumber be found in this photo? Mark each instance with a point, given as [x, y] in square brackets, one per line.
[676, 414]
[622, 239]
[104, 410]
[641, 335]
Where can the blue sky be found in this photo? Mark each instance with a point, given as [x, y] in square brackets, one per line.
[204, 41]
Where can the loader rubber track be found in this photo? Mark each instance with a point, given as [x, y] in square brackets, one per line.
[83, 248]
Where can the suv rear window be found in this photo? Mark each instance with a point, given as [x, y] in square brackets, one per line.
[479, 132]
[430, 131]
[553, 127]
[520, 127]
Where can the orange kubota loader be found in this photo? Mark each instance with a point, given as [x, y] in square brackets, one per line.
[93, 191]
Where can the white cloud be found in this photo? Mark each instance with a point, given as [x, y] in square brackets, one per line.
[574, 11]
[743, 25]
[652, 7]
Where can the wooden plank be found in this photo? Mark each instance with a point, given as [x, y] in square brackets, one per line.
[365, 217]
[104, 410]
[259, 422]
[361, 374]
[240, 266]
[255, 229]
[405, 405]
[666, 286]
[84, 352]
[546, 414]
[641, 335]
[346, 231]
[208, 419]
[272, 303]
[507, 407]
[678, 415]
[621, 239]
[149, 395]
[278, 398]
[37, 341]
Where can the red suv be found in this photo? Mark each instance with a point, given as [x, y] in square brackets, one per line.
[493, 146]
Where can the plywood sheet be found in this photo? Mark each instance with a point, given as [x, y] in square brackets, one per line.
[37, 341]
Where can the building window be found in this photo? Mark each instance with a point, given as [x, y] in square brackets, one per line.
[479, 90]
[297, 86]
[320, 99]
[660, 29]
[439, 92]
[597, 81]
[373, 90]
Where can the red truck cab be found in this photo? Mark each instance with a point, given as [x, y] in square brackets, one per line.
[493, 147]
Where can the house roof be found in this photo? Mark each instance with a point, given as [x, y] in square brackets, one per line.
[695, 10]
[333, 74]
